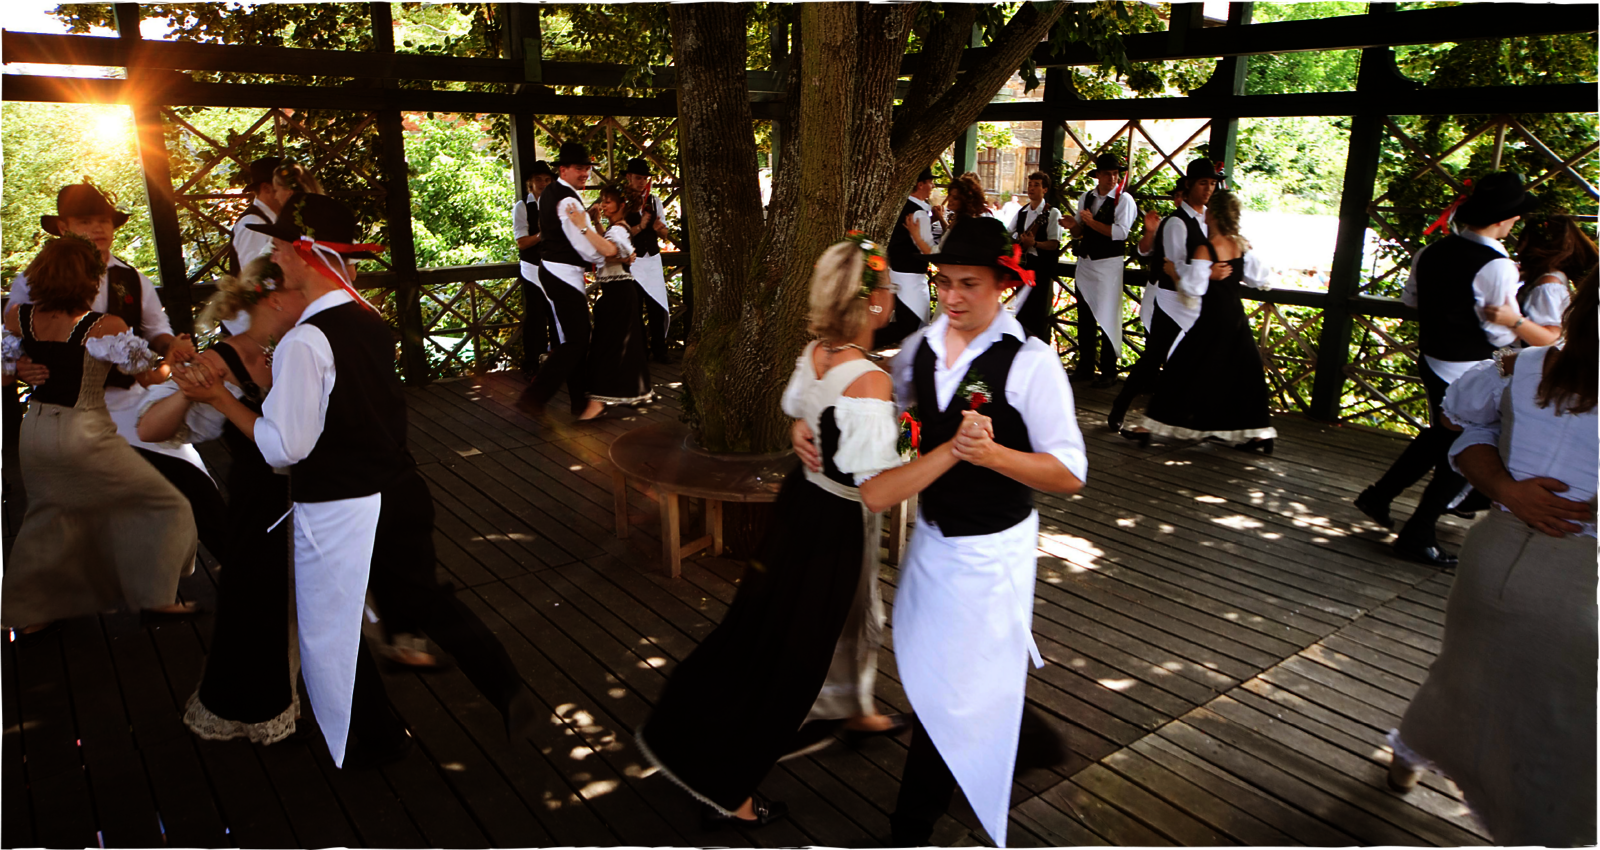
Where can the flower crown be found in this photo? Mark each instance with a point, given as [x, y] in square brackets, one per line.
[876, 262]
[264, 284]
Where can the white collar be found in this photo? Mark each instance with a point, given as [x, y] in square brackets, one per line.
[1033, 208]
[926, 206]
[566, 184]
[266, 212]
[1099, 194]
[1004, 324]
[1198, 215]
[1479, 238]
[532, 198]
[117, 261]
[327, 301]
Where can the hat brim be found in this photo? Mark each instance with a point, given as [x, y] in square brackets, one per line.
[559, 164]
[277, 231]
[1484, 215]
[52, 223]
[969, 260]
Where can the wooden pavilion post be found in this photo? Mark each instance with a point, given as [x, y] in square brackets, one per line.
[397, 211]
[967, 144]
[1228, 80]
[1378, 74]
[152, 139]
[1058, 90]
[523, 43]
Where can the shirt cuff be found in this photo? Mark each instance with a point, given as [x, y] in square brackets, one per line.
[270, 441]
[1074, 460]
[1473, 436]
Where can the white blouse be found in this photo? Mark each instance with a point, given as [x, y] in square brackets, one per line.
[868, 427]
[617, 267]
[1541, 443]
[1547, 303]
[1194, 277]
[201, 424]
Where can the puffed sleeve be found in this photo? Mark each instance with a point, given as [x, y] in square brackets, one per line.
[618, 236]
[796, 387]
[1547, 303]
[201, 424]
[1473, 402]
[1257, 274]
[867, 436]
[1194, 279]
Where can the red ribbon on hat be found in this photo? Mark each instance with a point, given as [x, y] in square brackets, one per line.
[1444, 217]
[306, 247]
[1014, 263]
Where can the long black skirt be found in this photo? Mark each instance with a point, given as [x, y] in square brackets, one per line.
[619, 350]
[732, 707]
[1213, 384]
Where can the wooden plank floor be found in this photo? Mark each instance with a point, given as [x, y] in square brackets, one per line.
[1227, 640]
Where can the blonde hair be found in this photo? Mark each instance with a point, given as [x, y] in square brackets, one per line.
[838, 312]
[237, 294]
[1225, 211]
[296, 178]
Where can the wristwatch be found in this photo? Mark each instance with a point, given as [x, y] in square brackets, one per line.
[1519, 322]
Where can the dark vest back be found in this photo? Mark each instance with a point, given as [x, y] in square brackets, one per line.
[970, 500]
[645, 243]
[235, 262]
[904, 256]
[554, 245]
[1095, 246]
[363, 444]
[1045, 260]
[1158, 253]
[532, 253]
[125, 300]
[1447, 320]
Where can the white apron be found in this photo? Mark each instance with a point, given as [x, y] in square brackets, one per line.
[963, 621]
[1147, 306]
[573, 277]
[332, 559]
[913, 292]
[539, 285]
[652, 279]
[1100, 285]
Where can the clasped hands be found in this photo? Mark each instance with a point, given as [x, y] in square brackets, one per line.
[973, 442]
[198, 382]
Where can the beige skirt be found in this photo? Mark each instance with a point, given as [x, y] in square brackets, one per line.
[1508, 708]
[849, 688]
[103, 527]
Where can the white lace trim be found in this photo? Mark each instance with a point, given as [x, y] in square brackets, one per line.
[204, 723]
[638, 738]
[127, 351]
[10, 349]
[639, 399]
[1161, 429]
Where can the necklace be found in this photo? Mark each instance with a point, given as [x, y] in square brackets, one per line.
[832, 349]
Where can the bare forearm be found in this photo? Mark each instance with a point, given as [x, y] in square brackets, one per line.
[527, 241]
[1483, 469]
[242, 417]
[164, 418]
[1535, 334]
[1038, 470]
[161, 343]
[891, 487]
[1099, 227]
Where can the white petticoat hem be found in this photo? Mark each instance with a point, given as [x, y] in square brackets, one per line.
[638, 738]
[208, 725]
[1161, 429]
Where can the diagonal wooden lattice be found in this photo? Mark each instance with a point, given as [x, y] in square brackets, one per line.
[1287, 339]
[1382, 373]
[470, 326]
[666, 184]
[1125, 135]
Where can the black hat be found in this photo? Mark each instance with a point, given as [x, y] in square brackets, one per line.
[925, 175]
[262, 169]
[540, 168]
[319, 217]
[1202, 169]
[81, 200]
[638, 166]
[979, 241]
[1496, 198]
[573, 153]
[1108, 162]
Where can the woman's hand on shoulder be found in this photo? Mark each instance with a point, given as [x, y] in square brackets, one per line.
[874, 384]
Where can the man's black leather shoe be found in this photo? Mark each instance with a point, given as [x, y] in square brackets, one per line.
[1431, 555]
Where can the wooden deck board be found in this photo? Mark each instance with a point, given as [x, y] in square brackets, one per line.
[1227, 639]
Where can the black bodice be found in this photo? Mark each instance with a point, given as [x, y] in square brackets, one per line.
[63, 359]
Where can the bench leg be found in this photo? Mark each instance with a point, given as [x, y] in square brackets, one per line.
[714, 525]
[671, 547]
[619, 497]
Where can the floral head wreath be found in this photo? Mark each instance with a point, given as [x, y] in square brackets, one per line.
[876, 262]
[264, 284]
[99, 260]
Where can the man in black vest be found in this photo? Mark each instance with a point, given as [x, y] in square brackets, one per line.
[538, 320]
[997, 423]
[1180, 233]
[1037, 228]
[363, 516]
[646, 234]
[247, 244]
[1451, 282]
[909, 244]
[564, 258]
[1105, 215]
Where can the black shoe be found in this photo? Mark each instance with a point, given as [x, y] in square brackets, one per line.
[899, 724]
[905, 834]
[364, 756]
[1262, 446]
[1140, 437]
[1119, 411]
[1431, 555]
[766, 811]
[1368, 504]
[812, 737]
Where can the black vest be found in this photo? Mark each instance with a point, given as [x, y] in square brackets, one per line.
[235, 262]
[125, 300]
[362, 448]
[1044, 260]
[1095, 246]
[645, 242]
[904, 255]
[1158, 252]
[969, 500]
[553, 240]
[531, 253]
[1447, 318]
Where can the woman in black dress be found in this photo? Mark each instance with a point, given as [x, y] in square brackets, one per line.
[248, 687]
[619, 355]
[1213, 385]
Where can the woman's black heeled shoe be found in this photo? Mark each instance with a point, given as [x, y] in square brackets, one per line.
[1262, 446]
[1140, 437]
[766, 812]
[898, 723]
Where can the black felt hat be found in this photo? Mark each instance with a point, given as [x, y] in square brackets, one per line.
[638, 166]
[925, 175]
[573, 153]
[1496, 198]
[979, 241]
[261, 170]
[540, 168]
[81, 200]
[1109, 162]
[320, 217]
[1202, 169]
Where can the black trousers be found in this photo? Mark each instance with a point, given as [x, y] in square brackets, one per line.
[538, 324]
[1428, 451]
[655, 322]
[926, 787]
[1090, 333]
[904, 324]
[567, 359]
[1034, 314]
[1146, 371]
[405, 585]
[205, 500]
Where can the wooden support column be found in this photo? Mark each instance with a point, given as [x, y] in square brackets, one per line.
[523, 41]
[967, 142]
[1378, 73]
[397, 211]
[152, 139]
[1058, 91]
[1228, 80]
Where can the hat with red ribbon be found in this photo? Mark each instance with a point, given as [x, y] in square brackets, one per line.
[323, 232]
[983, 242]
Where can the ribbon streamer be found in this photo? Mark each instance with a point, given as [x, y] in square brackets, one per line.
[1449, 212]
[1014, 263]
[313, 252]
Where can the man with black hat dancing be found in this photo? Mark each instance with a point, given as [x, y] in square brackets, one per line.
[1179, 235]
[1037, 228]
[538, 317]
[647, 227]
[1451, 282]
[336, 418]
[1105, 215]
[564, 258]
[247, 244]
[909, 244]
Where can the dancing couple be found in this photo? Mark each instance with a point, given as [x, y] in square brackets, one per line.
[994, 418]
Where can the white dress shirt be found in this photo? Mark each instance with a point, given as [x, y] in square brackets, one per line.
[1028, 215]
[1122, 218]
[580, 242]
[1036, 386]
[302, 379]
[519, 229]
[1492, 286]
[250, 244]
[1175, 247]
[923, 218]
[1194, 277]
[152, 317]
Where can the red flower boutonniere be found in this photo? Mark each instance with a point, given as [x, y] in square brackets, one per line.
[910, 442]
[975, 391]
[127, 299]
